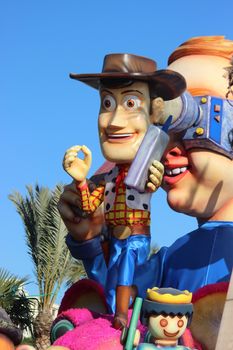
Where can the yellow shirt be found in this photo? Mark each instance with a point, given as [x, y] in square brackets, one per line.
[120, 213]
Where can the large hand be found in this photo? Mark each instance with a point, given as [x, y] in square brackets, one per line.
[76, 167]
[156, 176]
[79, 228]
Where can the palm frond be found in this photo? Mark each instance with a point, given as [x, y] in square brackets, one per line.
[76, 272]
[45, 238]
[22, 311]
[9, 285]
[14, 300]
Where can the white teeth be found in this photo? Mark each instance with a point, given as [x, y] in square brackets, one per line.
[118, 135]
[175, 171]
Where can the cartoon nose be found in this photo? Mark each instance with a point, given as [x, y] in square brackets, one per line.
[174, 152]
[177, 150]
[118, 119]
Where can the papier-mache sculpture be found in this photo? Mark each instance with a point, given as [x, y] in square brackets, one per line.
[198, 181]
[131, 92]
[167, 312]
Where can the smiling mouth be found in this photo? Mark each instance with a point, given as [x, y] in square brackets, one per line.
[175, 171]
[173, 175]
[120, 137]
[170, 335]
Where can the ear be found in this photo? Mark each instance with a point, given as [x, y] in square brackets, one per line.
[157, 111]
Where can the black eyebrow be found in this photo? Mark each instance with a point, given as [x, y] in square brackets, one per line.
[127, 91]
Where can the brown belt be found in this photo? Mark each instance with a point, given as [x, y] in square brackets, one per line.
[123, 232]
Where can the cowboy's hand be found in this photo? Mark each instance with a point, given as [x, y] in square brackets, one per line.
[156, 172]
[76, 167]
[80, 228]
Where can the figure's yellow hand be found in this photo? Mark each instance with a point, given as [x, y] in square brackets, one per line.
[76, 167]
[156, 176]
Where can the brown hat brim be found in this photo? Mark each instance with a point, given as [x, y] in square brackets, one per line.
[164, 83]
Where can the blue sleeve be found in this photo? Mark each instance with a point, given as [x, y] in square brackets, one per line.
[151, 273]
[91, 254]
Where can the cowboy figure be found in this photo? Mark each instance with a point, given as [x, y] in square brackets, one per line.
[132, 93]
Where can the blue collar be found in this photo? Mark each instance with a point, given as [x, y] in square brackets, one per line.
[213, 224]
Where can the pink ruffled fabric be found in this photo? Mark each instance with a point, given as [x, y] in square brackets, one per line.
[93, 331]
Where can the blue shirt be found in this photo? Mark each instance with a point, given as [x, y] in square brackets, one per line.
[201, 257]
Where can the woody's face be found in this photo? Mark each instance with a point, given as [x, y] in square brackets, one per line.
[123, 121]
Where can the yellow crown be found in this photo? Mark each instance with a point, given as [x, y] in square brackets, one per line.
[184, 297]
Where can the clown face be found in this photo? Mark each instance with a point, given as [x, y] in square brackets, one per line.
[198, 181]
[167, 329]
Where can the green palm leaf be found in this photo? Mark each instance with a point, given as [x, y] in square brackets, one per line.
[45, 238]
[14, 300]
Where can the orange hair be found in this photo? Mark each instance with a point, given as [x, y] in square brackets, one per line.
[204, 45]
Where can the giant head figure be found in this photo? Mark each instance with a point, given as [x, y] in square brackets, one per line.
[198, 178]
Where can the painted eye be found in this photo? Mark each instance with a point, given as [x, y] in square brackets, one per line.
[131, 102]
[163, 322]
[109, 103]
[180, 323]
[59, 329]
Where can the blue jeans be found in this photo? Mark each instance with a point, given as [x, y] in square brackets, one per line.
[125, 256]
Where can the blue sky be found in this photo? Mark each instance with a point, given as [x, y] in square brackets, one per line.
[43, 112]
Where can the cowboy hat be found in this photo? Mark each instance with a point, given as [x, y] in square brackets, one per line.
[120, 68]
